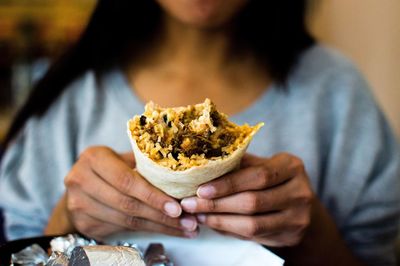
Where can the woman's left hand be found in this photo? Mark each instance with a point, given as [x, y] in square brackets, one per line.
[268, 200]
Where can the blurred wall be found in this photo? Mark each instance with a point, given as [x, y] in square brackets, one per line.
[32, 33]
[368, 31]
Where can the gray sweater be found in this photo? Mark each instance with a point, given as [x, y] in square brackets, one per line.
[327, 116]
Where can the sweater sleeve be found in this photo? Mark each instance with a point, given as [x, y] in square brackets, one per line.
[361, 184]
[34, 166]
[31, 176]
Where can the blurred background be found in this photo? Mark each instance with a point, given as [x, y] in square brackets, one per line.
[34, 32]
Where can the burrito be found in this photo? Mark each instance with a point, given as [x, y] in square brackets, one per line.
[178, 149]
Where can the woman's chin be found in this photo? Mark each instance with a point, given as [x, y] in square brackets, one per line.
[203, 14]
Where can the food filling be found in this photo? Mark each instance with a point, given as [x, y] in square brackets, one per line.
[183, 137]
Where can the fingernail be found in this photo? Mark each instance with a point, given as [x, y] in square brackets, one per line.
[206, 191]
[201, 218]
[191, 234]
[172, 209]
[188, 224]
[189, 204]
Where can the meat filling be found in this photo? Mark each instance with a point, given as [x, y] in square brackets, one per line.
[186, 136]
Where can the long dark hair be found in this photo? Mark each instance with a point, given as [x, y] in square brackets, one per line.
[274, 30]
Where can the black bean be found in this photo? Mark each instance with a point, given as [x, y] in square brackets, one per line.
[142, 120]
[215, 119]
[175, 155]
[214, 153]
[165, 118]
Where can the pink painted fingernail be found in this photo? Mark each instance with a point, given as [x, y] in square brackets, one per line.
[206, 191]
[189, 204]
[201, 218]
[173, 209]
[188, 224]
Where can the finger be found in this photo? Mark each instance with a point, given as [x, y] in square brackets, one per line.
[272, 172]
[230, 234]
[108, 165]
[249, 202]
[244, 226]
[109, 215]
[128, 158]
[94, 228]
[250, 178]
[101, 191]
[281, 239]
[270, 240]
[280, 162]
[251, 160]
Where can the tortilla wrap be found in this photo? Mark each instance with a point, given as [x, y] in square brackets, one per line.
[184, 183]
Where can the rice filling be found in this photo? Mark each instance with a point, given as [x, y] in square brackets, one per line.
[183, 137]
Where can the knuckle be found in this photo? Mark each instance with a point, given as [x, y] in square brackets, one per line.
[91, 153]
[230, 185]
[73, 179]
[74, 204]
[125, 182]
[82, 225]
[262, 174]
[271, 177]
[212, 205]
[214, 221]
[69, 180]
[301, 225]
[253, 228]
[293, 241]
[133, 222]
[305, 223]
[305, 198]
[283, 155]
[297, 164]
[129, 205]
[251, 203]
[92, 230]
[151, 198]
[166, 220]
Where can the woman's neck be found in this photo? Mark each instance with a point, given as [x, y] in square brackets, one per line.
[192, 64]
[195, 49]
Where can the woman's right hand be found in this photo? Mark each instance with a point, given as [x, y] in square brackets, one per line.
[104, 195]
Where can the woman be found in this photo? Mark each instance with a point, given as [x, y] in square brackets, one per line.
[319, 185]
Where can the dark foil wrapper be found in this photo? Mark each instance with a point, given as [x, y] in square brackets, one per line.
[155, 256]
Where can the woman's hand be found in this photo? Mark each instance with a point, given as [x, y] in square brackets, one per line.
[104, 196]
[267, 200]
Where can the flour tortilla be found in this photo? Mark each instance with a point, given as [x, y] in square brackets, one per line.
[182, 184]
